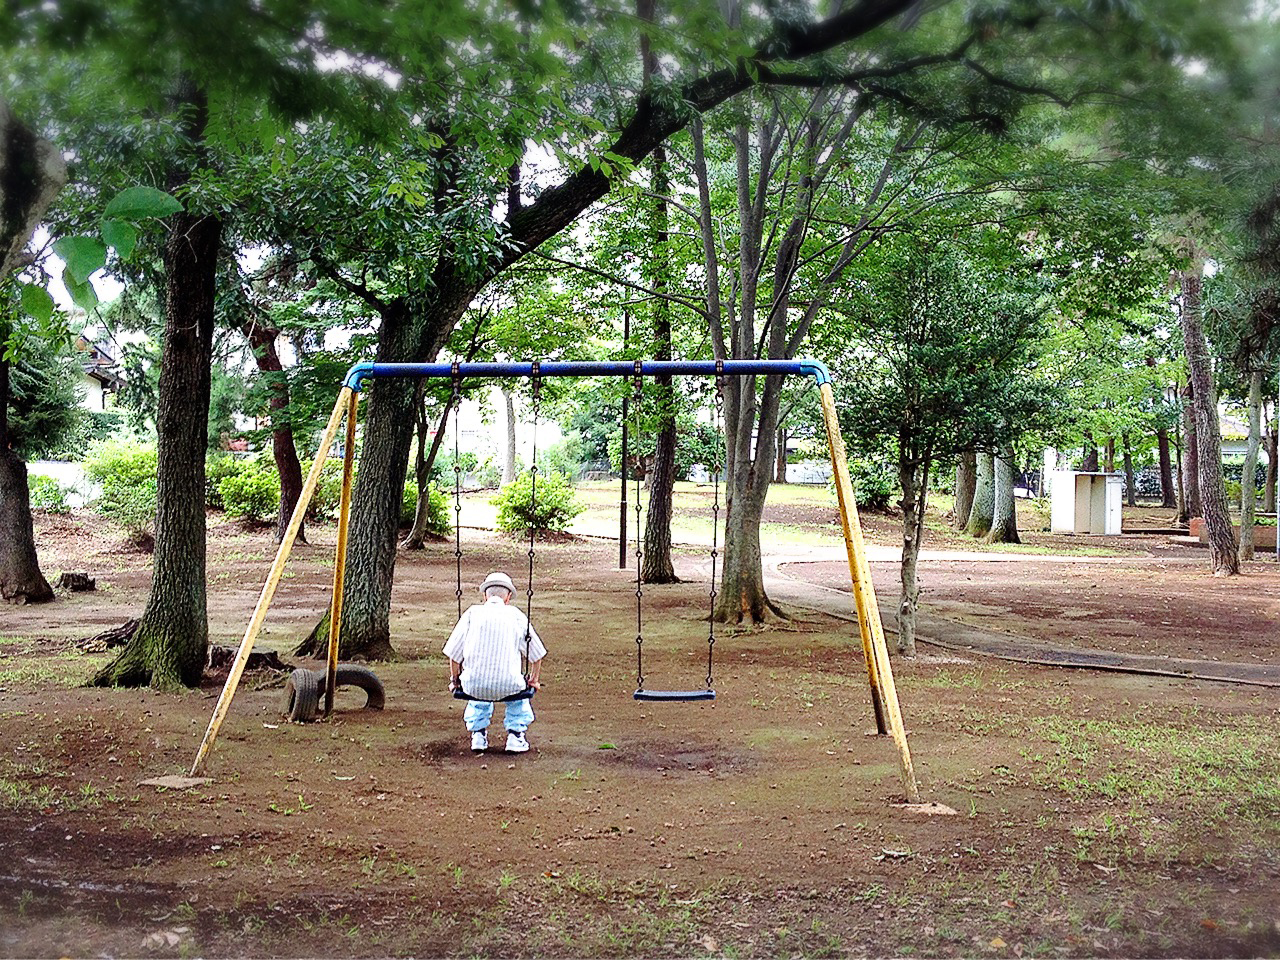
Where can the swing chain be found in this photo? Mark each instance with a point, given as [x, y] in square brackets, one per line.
[717, 467]
[638, 396]
[457, 482]
[533, 511]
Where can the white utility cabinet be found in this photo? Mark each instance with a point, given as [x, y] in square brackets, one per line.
[1086, 502]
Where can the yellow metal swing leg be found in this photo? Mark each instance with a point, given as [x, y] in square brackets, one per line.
[883, 691]
[340, 555]
[273, 579]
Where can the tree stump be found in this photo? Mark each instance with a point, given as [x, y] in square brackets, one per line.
[77, 582]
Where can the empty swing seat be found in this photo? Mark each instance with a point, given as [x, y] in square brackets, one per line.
[674, 696]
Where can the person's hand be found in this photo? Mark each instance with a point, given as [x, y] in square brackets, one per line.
[535, 684]
[453, 684]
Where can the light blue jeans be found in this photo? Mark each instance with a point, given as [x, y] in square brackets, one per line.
[518, 715]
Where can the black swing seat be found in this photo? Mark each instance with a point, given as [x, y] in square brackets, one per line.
[524, 694]
[674, 696]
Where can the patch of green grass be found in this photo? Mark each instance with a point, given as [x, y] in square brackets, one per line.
[65, 669]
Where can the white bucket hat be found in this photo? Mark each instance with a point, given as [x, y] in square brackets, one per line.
[496, 579]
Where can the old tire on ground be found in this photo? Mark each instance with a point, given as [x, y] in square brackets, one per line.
[350, 675]
[302, 695]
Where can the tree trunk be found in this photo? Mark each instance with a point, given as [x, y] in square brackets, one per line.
[1183, 517]
[1269, 492]
[657, 566]
[31, 174]
[1248, 478]
[1109, 458]
[966, 480]
[915, 493]
[1190, 458]
[262, 340]
[169, 647]
[20, 578]
[509, 453]
[1090, 462]
[376, 499]
[422, 470]
[982, 514]
[742, 597]
[1004, 512]
[780, 472]
[1168, 495]
[1130, 491]
[1223, 546]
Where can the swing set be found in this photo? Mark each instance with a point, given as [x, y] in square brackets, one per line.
[884, 697]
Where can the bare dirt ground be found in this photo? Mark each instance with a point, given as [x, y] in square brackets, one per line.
[1098, 815]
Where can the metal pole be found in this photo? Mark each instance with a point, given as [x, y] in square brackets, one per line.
[874, 648]
[340, 555]
[622, 508]
[273, 580]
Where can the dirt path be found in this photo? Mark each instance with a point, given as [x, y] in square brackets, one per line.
[818, 580]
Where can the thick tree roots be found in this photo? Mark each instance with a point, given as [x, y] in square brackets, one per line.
[316, 645]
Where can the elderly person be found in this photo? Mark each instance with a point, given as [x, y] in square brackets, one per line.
[484, 661]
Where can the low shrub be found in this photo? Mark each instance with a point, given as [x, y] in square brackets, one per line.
[125, 462]
[554, 510]
[439, 508]
[217, 467]
[252, 494]
[874, 483]
[325, 501]
[48, 494]
[133, 506]
[126, 473]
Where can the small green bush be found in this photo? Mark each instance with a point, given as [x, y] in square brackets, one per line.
[252, 495]
[126, 472]
[325, 502]
[133, 506]
[125, 462]
[217, 467]
[555, 508]
[439, 508]
[874, 482]
[47, 494]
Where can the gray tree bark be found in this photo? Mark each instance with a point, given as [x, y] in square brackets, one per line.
[1248, 483]
[1269, 491]
[914, 479]
[423, 462]
[1130, 493]
[1004, 513]
[657, 566]
[1191, 505]
[1223, 546]
[509, 452]
[982, 514]
[262, 340]
[966, 480]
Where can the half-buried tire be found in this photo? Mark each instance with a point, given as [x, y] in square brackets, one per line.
[302, 695]
[351, 675]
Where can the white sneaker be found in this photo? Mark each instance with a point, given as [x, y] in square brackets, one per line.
[480, 742]
[517, 742]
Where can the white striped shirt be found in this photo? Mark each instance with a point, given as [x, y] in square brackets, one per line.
[488, 641]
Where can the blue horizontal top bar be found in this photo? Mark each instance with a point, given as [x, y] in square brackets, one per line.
[607, 368]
